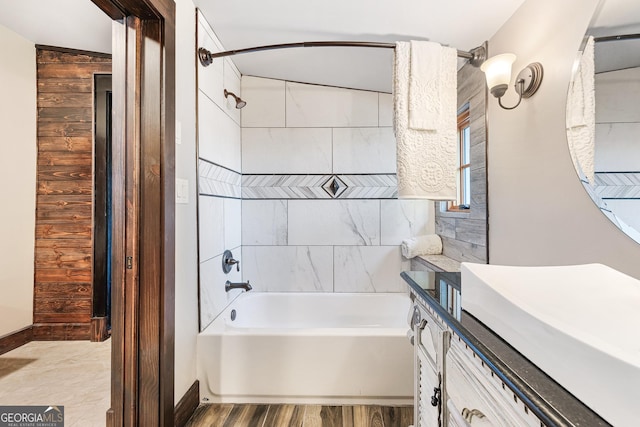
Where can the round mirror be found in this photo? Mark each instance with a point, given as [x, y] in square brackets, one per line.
[603, 113]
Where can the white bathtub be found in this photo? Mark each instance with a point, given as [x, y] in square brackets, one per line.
[308, 348]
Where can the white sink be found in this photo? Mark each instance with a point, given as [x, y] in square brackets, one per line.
[579, 324]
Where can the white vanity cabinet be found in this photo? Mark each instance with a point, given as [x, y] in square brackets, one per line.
[464, 390]
[479, 379]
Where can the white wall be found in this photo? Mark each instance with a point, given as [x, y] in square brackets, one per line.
[295, 236]
[539, 212]
[186, 291]
[18, 151]
[219, 168]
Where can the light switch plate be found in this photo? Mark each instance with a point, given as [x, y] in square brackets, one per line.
[182, 191]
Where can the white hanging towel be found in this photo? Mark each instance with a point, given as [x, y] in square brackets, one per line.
[425, 85]
[581, 115]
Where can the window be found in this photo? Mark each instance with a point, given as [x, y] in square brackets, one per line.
[464, 169]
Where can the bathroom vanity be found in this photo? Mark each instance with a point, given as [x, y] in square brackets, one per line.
[466, 375]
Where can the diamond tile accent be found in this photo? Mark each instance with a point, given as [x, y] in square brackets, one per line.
[334, 187]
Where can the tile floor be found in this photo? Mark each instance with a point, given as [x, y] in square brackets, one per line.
[73, 374]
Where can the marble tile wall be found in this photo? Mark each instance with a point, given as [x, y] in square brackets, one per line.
[219, 176]
[319, 193]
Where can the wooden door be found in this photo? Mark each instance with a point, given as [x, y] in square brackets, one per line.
[143, 212]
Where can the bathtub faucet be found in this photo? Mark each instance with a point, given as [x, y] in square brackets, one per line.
[242, 285]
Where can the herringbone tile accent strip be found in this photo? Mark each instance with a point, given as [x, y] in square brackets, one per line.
[381, 186]
[617, 185]
[215, 180]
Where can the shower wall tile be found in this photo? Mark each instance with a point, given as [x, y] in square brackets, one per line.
[221, 74]
[364, 150]
[618, 148]
[210, 78]
[401, 219]
[385, 109]
[368, 269]
[289, 268]
[286, 150]
[265, 102]
[213, 298]
[334, 222]
[211, 226]
[322, 106]
[264, 222]
[219, 178]
[618, 93]
[627, 211]
[218, 135]
[232, 223]
[301, 231]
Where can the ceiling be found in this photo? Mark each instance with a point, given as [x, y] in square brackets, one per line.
[76, 24]
[79, 24]
[240, 24]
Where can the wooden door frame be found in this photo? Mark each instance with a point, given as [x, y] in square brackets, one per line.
[142, 360]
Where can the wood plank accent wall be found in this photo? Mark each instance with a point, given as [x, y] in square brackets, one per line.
[62, 306]
[464, 234]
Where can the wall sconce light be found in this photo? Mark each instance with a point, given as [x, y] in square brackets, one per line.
[239, 102]
[497, 70]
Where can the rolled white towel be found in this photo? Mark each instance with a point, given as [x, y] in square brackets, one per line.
[430, 244]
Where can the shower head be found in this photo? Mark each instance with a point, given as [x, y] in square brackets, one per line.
[239, 102]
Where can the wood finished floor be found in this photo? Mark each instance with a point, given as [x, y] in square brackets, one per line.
[230, 415]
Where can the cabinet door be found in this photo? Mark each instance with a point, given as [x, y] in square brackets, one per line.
[428, 368]
[477, 396]
[427, 415]
[429, 338]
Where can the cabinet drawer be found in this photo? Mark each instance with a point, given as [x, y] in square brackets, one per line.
[479, 396]
[455, 416]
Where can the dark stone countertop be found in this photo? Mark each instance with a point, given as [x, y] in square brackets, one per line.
[551, 403]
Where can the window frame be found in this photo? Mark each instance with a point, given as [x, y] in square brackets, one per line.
[463, 122]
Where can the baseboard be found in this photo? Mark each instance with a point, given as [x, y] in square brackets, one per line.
[16, 339]
[99, 330]
[61, 331]
[187, 405]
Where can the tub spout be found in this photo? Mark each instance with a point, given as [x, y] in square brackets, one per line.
[242, 285]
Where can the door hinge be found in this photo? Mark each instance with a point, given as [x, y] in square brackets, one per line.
[129, 262]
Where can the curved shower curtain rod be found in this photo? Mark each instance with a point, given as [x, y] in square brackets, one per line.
[476, 56]
[616, 38]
